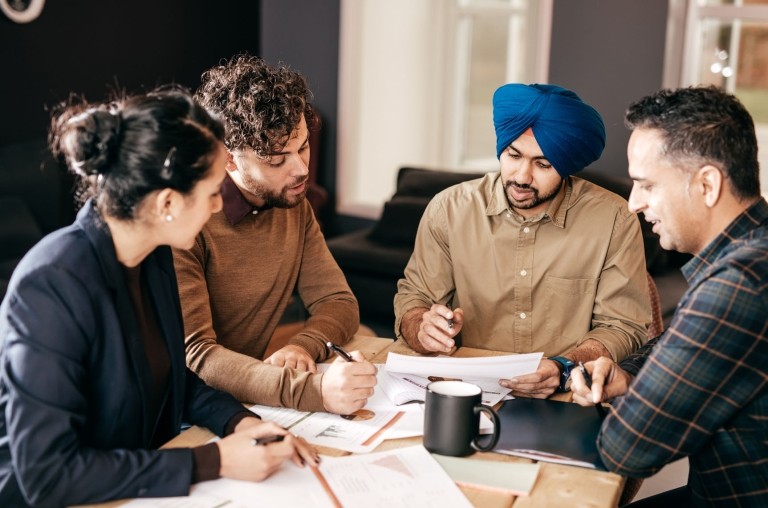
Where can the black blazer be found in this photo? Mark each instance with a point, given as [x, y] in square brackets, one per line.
[75, 383]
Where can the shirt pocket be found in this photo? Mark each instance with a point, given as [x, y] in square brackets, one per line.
[568, 310]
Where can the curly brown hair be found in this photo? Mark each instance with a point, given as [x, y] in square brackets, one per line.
[261, 105]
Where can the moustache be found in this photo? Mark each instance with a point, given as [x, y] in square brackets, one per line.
[522, 186]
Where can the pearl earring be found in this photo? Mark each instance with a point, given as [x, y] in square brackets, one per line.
[168, 218]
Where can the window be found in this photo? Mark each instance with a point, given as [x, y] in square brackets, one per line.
[725, 44]
[416, 83]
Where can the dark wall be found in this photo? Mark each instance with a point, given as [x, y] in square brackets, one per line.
[86, 46]
[304, 34]
[610, 53]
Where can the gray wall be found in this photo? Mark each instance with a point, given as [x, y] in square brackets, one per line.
[304, 34]
[610, 52]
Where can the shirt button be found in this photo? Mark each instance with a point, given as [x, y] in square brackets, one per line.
[522, 315]
[254, 212]
[526, 229]
[523, 273]
[509, 214]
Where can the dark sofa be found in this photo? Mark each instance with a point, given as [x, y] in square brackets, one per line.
[35, 198]
[373, 259]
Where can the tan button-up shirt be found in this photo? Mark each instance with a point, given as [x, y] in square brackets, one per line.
[547, 283]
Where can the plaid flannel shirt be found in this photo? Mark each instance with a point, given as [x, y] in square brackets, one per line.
[701, 389]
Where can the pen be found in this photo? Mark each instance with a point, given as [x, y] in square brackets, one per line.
[588, 380]
[337, 349]
[268, 439]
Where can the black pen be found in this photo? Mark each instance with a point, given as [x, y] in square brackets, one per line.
[268, 439]
[588, 380]
[337, 349]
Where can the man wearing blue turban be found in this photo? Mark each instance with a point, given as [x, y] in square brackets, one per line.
[530, 258]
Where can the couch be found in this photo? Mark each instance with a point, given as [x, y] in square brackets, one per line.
[373, 259]
[35, 198]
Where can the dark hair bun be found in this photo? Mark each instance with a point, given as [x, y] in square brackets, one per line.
[88, 139]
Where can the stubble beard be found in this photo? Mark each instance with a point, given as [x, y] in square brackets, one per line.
[533, 201]
[278, 200]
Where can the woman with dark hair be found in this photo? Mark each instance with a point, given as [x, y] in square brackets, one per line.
[93, 376]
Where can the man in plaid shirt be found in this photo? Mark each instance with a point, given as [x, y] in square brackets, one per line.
[700, 390]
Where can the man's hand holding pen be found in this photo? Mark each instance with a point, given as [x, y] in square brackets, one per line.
[348, 382]
[608, 381]
[439, 326]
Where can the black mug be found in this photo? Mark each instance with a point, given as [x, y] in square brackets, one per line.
[452, 419]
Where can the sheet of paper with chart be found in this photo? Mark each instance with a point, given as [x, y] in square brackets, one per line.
[359, 432]
[401, 477]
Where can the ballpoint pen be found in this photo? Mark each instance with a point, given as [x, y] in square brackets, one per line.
[588, 380]
[337, 349]
[268, 439]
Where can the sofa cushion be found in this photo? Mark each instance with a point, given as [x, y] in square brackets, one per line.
[355, 252]
[18, 228]
[426, 183]
[399, 221]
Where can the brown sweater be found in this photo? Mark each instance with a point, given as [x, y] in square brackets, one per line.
[235, 284]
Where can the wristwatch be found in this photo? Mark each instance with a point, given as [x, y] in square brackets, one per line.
[565, 365]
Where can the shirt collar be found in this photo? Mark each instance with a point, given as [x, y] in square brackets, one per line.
[556, 211]
[235, 206]
[749, 220]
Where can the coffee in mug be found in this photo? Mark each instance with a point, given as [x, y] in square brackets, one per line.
[452, 419]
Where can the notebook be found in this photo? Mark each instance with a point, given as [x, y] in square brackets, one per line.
[507, 477]
[550, 431]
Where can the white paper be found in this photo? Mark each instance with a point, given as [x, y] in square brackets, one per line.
[360, 432]
[489, 367]
[405, 388]
[289, 486]
[407, 477]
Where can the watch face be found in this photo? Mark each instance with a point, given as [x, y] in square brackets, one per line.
[567, 384]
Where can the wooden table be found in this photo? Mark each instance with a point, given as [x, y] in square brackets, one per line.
[556, 486]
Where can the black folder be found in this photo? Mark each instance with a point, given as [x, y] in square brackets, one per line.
[550, 431]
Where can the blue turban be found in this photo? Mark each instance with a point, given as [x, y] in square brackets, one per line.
[570, 132]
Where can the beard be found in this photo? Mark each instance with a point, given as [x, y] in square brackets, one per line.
[535, 200]
[274, 199]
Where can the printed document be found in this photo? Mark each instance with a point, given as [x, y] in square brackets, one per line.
[361, 432]
[402, 477]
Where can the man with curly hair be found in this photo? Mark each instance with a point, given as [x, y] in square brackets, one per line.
[239, 277]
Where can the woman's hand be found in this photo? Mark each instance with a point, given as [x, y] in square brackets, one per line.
[242, 460]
